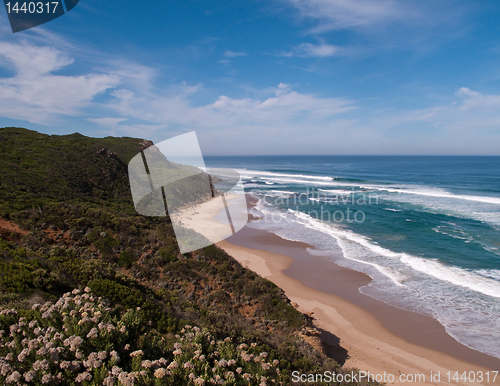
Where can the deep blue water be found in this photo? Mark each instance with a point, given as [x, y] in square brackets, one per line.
[426, 229]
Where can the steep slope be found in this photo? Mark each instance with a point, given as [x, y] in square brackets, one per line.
[67, 221]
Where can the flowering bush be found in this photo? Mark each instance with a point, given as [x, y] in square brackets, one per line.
[80, 341]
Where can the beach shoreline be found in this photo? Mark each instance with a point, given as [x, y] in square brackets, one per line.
[378, 338]
[357, 330]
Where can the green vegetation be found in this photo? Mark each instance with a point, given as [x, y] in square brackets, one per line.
[78, 229]
[78, 340]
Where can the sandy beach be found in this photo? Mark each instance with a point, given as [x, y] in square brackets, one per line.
[205, 218]
[356, 330]
[372, 336]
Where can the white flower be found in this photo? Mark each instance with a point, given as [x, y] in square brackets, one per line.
[160, 373]
[65, 365]
[109, 381]
[136, 353]
[4, 369]
[114, 356]
[94, 333]
[146, 364]
[29, 375]
[85, 376]
[41, 365]
[172, 365]
[14, 377]
[23, 354]
[222, 363]
[247, 376]
[116, 370]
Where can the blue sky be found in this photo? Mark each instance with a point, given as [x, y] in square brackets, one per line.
[264, 77]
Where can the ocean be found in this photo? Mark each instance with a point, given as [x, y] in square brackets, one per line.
[426, 229]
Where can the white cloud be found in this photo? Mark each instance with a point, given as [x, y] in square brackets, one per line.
[35, 94]
[279, 120]
[284, 106]
[134, 74]
[309, 50]
[233, 54]
[235, 125]
[388, 24]
[473, 112]
[474, 100]
[114, 126]
[107, 122]
[469, 124]
[339, 14]
[32, 61]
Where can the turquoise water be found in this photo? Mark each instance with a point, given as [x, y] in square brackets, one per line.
[426, 229]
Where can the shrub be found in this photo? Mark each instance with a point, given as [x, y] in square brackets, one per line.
[79, 341]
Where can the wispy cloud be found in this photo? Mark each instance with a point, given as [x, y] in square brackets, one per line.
[387, 24]
[284, 106]
[117, 126]
[234, 54]
[277, 120]
[468, 124]
[339, 14]
[308, 50]
[469, 111]
[107, 122]
[231, 124]
[472, 112]
[35, 93]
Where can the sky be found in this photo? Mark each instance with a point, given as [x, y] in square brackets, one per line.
[255, 77]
